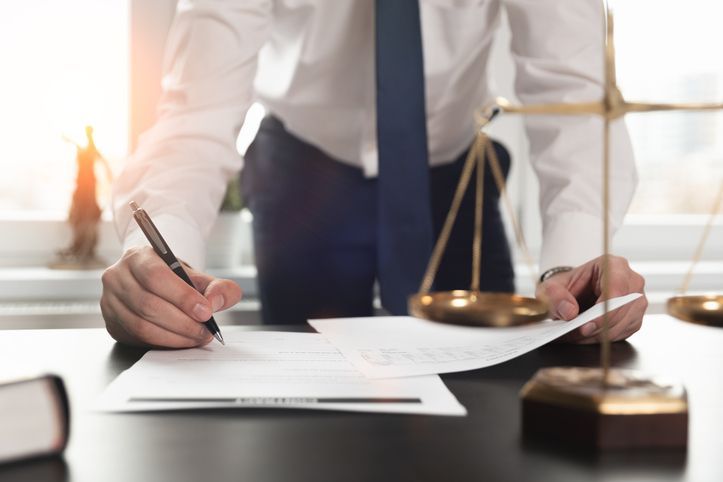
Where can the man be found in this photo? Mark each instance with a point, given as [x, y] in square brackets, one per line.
[351, 174]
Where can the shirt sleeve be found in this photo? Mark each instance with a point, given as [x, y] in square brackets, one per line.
[180, 169]
[557, 47]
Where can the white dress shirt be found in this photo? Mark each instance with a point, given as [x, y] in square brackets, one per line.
[311, 63]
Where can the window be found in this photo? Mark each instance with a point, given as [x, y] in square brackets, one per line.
[65, 66]
[669, 51]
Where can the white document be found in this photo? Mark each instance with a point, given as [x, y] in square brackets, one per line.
[402, 346]
[268, 369]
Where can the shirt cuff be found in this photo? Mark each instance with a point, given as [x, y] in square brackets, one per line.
[184, 240]
[571, 239]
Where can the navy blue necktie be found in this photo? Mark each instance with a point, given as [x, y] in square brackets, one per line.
[405, 221]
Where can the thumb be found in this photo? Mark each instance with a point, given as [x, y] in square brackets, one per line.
[563, 304]
[222, 293]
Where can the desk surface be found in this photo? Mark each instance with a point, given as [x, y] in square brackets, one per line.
[286, 445]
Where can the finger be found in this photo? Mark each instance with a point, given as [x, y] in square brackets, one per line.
[147, 333]
[563, 304]
[631, 323]
[616, 331]
[615, 318]
[109, 280]
[200, 279]
[623, 280]
[630, 330]
[222, 294]
[581, 281]
[599, 337]
[155, 277]
[621, 327]
[584, 332]
[621, 331]
[227, 291]
[574, 336]
[623, 321]
[619, 285]
[584, 337]
[156, 310]
[112, 322]
[591, 332]
[634, 328]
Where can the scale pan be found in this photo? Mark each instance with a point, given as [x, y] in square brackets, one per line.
[471, 308]
[703, 309]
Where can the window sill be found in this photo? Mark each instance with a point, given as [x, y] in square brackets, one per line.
[34, 240]
[45, 284]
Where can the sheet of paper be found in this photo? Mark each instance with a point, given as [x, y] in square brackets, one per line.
[268, 369]
[402, 346]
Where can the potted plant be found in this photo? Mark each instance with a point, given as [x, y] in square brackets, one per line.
[230, 235]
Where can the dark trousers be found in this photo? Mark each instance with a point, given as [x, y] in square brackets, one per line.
[315, 230]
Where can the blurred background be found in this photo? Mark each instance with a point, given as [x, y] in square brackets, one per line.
[98, 62]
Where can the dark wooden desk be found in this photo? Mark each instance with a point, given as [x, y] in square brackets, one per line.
[286, 445]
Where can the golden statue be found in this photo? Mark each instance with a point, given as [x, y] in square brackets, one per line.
[84, 214]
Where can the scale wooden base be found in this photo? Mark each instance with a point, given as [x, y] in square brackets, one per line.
[572, 406]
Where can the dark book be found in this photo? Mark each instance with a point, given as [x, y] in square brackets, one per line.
[34, 418]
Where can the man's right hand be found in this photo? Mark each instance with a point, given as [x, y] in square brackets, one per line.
[145, 304]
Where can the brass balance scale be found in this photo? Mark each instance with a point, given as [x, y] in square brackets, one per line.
[603, 407]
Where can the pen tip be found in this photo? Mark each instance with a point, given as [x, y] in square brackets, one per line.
[219, 337]
[134, 206]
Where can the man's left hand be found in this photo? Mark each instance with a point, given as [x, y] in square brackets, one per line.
[572, 292]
